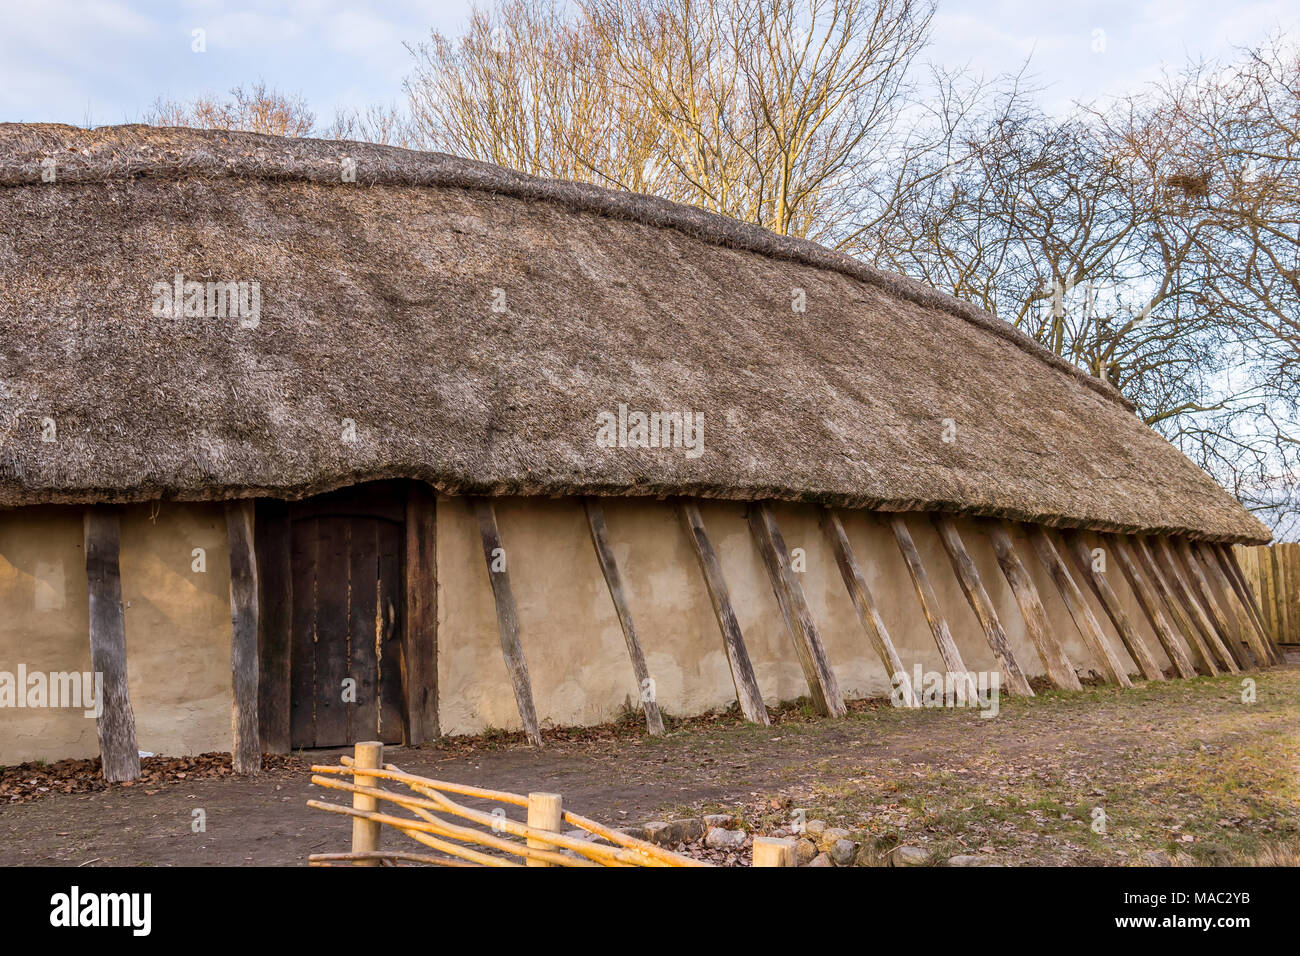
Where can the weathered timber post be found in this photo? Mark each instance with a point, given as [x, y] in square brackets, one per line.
[366, 833]
[545, 812]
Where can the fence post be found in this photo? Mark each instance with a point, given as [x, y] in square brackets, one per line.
[769, 851]
[545, 811]
[366, 833]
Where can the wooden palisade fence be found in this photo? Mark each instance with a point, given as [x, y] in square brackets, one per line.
[1273, 573]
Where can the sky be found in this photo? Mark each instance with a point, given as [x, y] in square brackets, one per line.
[93, 62]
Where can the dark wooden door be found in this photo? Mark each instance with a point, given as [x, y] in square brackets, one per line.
[347, 602]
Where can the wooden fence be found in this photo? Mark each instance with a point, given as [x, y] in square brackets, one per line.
[1273, 573]
[461, 835]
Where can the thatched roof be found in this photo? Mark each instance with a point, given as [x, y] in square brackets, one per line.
[377, 306]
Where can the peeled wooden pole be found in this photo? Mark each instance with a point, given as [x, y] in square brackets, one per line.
[799, 623]
[246, 747]
[507, 617]
[614, 581]
[115, 726]
[1150, 603]
[1177, 609]
[929, 602]
[1137, 648]
[545, 812]
[969, 577]
[865, 605]
[742, 671]
[770, 851]
[1084, 620]
[1183, 589]
[1245, 595]
[1050, 652]
[366, 834]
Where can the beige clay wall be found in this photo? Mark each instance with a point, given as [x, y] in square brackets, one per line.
[178, 623]
[571, 637]
[177, 627]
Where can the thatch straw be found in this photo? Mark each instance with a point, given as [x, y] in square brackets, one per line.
[377, 306]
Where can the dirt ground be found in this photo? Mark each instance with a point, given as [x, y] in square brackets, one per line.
[1184, 767]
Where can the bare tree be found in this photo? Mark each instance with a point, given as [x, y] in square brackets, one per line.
[383, 124]
[257, 109]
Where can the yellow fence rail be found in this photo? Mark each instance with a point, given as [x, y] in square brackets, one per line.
[1273, 573]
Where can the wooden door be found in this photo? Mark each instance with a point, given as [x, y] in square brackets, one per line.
[347, 590]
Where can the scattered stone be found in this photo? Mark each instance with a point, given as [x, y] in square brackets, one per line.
[830, 836]
[821, 859]
[910, 856]
[719, 838]
[804, 851]
[656, 832]
[841, 852]
[579, 834]
[688, 830]
[637, 833]
[724, 820]
[1157, 858]
[815, 828]
[969, 859]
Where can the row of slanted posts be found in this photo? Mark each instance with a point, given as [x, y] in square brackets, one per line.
[1193, 593]
[1198, 583]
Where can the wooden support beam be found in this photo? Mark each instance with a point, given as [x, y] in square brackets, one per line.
[115, 726]
[1205, 596]
[1227, 560]
[742, 671]
[865, 605]
[1050, 652]
[1088, 625]
[968, 576]
[1181, 590]
[246, 745]
[420, 634]
[654, 721]
[1150, 603]
[799, 622]
[1178, 610]
[512, 648]
[1137, 648]
[275, 633]
[930, 602]
[1219, 599]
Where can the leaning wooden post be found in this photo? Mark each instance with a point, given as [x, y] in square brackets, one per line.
[770, 851]
[115, 726]
[545, 812]
[865, 604]
[799, 624]
[366, 834]
[1150, 603]
[1199, 618]
[1050, 652]
[1233, 642]
[1245, 593]
[930, 602]
[742, 671]
[614, 581]
[245, 747]
[512, 647]
[420, 633]
[1215, 570]
[1087, 623]
[968, 576]
[1147, 555]
[1137, 648]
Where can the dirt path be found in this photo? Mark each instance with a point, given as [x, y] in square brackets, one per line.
[1181, 766]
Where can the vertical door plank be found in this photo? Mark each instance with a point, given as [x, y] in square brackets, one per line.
[305, 535]
[393, 715]
[420, 636]
[363, 604]
[271, 531]
[332, 631]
